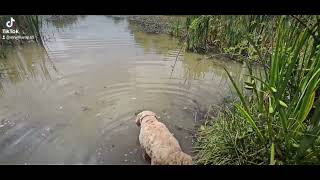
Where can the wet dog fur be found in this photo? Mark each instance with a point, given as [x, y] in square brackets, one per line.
[158, 144]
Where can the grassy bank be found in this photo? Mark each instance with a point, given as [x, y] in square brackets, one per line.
[233, 36]
[278, 123]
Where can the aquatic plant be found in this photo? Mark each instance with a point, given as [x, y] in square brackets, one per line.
[27, 25]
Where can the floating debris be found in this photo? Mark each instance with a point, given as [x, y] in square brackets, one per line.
[76, 92]
[178, 127]
[133, 98]
[84, 108]
[61, 107]
[185, 108]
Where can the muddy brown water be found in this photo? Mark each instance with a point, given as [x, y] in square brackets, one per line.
[77, 105]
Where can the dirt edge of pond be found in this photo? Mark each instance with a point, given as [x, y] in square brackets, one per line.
[153, 23]
[160, 24]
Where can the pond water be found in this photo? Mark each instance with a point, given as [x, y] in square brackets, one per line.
[74, 103]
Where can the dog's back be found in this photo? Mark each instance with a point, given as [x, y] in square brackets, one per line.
[161, 146]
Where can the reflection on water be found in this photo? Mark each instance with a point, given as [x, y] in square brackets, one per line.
[118, 19]
[196, 66]
[27, 62]
[159, 43]
[64, 21]
[106, 71]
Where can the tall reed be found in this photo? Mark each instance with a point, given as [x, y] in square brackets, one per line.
[230, 34]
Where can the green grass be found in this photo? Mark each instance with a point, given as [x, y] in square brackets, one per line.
[284, 114]
[229, 140]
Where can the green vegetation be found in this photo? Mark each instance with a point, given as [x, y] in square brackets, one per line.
[233, 36]
[278, 121]
[230, 34]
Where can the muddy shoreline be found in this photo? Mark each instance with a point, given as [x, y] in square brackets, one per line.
[152, 24]
[162, 25]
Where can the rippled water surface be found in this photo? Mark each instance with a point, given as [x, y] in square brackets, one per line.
[77, 105]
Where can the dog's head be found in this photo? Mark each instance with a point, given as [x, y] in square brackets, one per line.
[143, 114]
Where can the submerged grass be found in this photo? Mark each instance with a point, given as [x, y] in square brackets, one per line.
[280, 125]
[27, 25]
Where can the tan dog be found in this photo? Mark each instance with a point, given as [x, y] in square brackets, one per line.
[158, 143]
